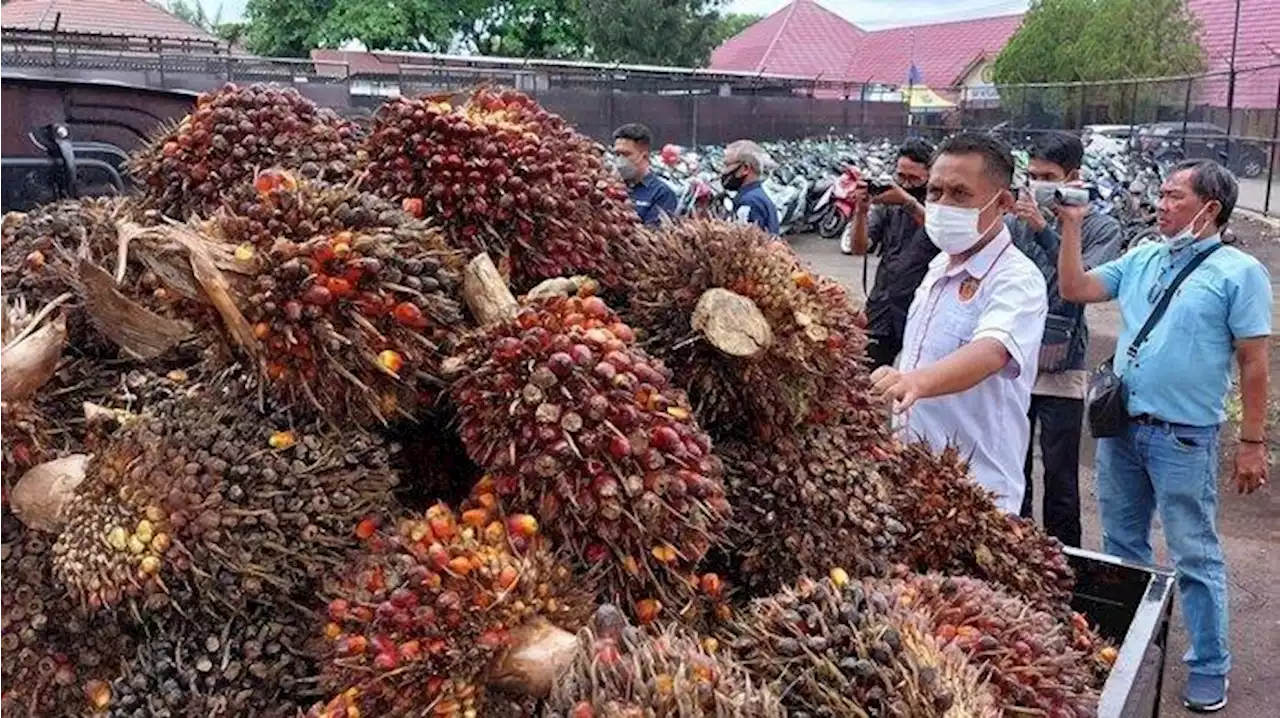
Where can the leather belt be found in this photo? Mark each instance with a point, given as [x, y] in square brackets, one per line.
[1149, 420]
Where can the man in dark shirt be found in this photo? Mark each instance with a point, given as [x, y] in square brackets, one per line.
[896, 225]
[653, 198]
[744, 161]
[1057, 399]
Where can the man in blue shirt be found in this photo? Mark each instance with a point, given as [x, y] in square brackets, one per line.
[652, 197]
[1175, 387]
[744, 161]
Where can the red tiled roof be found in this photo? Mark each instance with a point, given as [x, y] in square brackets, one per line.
[803, 39]
[793, 41]
[942, 51]
[1258, 46]
[136, 18]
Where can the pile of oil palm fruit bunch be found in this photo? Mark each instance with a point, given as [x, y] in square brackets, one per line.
[421, 422]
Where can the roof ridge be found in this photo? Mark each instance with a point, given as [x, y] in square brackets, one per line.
[791, 10]
[45, 14]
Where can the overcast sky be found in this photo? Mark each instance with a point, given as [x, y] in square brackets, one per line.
[865, 13]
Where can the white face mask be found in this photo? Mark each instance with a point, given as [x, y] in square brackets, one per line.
[1185, 237]
[955, 230]
[1043, 191]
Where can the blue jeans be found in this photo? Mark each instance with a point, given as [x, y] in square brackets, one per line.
[1175, 470]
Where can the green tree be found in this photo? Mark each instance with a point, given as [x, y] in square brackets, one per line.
[421, 25]
[1075, 40]
[732, 23]
[651, 32]
[285, 28]
[522, 28]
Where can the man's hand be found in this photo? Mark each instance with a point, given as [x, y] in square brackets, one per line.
[1251, 467]
[1028, 211]
[891, 385]
[893, 195]
[861, 197]
[1073, 216]
[860, 319]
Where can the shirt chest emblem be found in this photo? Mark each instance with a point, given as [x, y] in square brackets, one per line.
[968, 289]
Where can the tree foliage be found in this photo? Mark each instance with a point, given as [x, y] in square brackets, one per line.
[1078, 40]
[653, 32]
[523, 28]
[660, 32]
[285, 28]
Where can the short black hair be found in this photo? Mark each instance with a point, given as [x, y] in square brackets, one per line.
[996, 157]
[1213, 183]
[917, 150]
[1061, 148]
[635, 132]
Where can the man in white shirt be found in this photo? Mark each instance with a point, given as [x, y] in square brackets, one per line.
[972, 340]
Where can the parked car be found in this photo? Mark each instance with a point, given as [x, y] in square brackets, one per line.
[1203, 140]
[1104, 139]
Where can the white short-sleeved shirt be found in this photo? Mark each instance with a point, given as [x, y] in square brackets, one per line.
[996, 293]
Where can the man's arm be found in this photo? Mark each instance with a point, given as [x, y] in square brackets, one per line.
[759, 214]
[1255, 381]
[1005, 340]
[1251, 464]
[1074, 284]
[963, 368]
[666, 201]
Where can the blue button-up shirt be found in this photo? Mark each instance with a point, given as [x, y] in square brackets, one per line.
[1182, 371]
[752, 205]
[653, 199]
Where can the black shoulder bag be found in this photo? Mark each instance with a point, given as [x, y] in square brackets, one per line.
[1108, 413]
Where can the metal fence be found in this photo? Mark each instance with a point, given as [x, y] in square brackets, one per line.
[1228, 117]
[1187, 115]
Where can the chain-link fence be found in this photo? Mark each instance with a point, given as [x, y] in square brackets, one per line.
[1176, 117]
[1228, 117]
[682, 106]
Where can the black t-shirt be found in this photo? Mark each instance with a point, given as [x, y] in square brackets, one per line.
[905, 253]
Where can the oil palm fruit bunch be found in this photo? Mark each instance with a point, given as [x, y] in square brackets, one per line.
[954, 526]
[352, 323]
[432, 603]
[38, 246]
[503, 175]
[803, 503]
[68, 255]
[231, 134]
[280, 203]
[204, 488]
[581, 428]
[836, 647]
[55, 658]
[760, 342]
[619, 671]
[1031, 658]
[258, 663]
